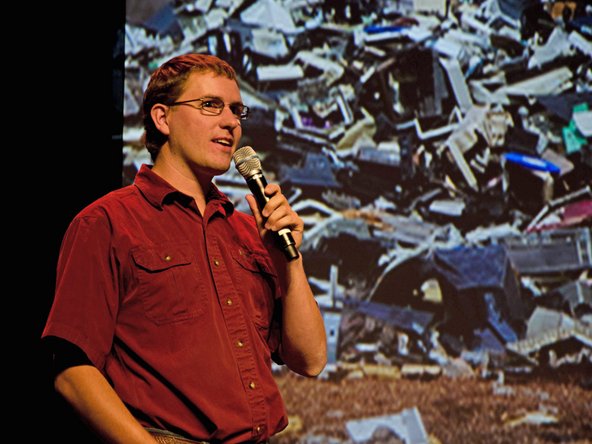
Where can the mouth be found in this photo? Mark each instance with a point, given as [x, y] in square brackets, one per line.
[224, 142]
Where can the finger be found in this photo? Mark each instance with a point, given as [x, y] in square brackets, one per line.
[255, 210]
[272, 188]
[275, 198]
[284, 217]
[281, 217]
[274, 203]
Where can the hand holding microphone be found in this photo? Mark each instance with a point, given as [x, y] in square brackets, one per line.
[248, 165]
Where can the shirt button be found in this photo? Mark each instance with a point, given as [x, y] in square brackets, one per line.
[258, 429]
[216, 262]
[228, 301]
[252, 385]
[241, 344]
[168, 258]
[240, 252]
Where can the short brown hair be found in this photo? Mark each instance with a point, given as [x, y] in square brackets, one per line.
[166, 86]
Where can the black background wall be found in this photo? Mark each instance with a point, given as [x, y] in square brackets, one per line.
[73, 115]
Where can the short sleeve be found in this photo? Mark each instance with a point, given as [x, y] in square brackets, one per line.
[86, 299]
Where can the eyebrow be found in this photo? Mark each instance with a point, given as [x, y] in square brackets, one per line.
[221, 99]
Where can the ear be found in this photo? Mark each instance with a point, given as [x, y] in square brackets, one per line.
[159, 117]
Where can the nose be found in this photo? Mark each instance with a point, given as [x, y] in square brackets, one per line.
[229, 119]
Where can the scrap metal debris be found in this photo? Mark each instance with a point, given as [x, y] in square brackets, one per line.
[440, 154]
[406, 426]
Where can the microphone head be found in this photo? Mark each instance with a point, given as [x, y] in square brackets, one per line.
[246, 161]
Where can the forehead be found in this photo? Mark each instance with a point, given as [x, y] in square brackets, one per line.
[200, 84]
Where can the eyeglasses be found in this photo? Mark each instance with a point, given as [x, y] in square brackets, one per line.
[212, 106]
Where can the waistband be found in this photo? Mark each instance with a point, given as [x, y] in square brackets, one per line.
[166, 437]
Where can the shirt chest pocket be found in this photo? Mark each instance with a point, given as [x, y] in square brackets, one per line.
[169, 284]
[257, 283]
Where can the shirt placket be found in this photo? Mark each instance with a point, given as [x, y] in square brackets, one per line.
[236, 325]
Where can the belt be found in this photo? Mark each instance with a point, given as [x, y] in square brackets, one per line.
[166, 437]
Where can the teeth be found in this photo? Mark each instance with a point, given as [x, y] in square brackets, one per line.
[223, 142]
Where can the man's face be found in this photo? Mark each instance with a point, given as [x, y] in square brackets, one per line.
[198, 141]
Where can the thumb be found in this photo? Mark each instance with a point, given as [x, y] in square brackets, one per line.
[255, 210]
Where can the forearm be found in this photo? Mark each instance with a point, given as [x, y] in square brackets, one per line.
[95, 401]
[304, 342]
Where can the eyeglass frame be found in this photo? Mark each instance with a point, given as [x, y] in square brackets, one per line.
[242, 116]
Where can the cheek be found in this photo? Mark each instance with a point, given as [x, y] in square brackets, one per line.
[185, 129]
[237, 133]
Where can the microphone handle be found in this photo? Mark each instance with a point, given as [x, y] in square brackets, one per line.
[257, 184]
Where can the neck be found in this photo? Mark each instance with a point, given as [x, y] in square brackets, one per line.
[183, 179]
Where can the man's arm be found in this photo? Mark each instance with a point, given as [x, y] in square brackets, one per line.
[97, 404]
[304, 342]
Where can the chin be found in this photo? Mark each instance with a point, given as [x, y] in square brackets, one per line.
[219, 171]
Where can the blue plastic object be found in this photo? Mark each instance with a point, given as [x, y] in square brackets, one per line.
[534, 163]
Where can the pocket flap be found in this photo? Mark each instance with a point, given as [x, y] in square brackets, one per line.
[252, 261]
[161, 257]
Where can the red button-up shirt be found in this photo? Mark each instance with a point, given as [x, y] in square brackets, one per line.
[180, 311]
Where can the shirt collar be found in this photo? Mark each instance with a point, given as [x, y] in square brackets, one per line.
[156, 190]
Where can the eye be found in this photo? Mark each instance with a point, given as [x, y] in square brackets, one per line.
[237, 110]
[213, 103]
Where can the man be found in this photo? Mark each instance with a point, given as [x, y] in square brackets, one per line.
[170, 304]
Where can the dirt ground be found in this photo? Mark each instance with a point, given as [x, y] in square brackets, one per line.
[453, 410]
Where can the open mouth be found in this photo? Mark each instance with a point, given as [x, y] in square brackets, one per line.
[225, 142]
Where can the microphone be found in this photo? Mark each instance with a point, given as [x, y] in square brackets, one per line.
[248, 165]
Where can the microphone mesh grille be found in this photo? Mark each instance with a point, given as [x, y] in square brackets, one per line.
[246, 161]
